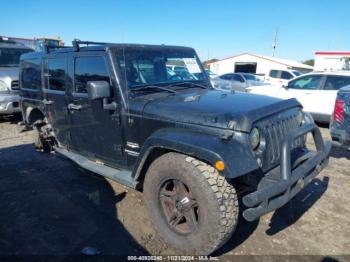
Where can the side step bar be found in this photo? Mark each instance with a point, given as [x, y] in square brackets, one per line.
[121, 176]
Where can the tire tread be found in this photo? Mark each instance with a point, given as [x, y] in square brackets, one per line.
[227, 198]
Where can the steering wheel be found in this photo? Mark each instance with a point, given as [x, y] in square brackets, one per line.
[173, 76]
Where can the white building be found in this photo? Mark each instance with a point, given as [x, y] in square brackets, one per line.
[332, 61]
[256, 64]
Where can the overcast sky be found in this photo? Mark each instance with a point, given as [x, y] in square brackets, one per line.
[216, 29]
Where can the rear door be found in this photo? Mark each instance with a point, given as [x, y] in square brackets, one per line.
[54, 95]
[95, 132]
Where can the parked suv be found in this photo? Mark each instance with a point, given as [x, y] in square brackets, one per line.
[340, 124]
[10, 53]
[114, 109]
[316, 91]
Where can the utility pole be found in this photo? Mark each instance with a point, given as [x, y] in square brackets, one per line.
[274, 43]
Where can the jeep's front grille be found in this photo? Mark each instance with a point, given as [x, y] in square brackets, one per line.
[14, 85]
[275, 129]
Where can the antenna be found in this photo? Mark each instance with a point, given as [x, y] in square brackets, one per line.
[274, 43]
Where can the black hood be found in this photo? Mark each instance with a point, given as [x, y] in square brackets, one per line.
[215, 108]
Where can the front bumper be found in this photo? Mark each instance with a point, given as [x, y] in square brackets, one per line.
[282, 183]
[8, 108]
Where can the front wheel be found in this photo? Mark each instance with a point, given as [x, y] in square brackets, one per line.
[193, 208]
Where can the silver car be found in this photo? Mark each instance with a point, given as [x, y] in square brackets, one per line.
[9, 63]
[237, 81]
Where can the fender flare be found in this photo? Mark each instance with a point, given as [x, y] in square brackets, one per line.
[28, 114]
[205, 147]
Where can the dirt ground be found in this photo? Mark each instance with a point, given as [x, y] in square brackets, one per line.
[49, 206]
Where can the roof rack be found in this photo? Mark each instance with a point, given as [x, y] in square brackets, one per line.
[48, 47]
[76, 44]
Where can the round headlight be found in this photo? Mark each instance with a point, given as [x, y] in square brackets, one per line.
[300, 117]
[254, 138]
[3, 86]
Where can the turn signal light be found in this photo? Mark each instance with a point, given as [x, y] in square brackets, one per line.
[219, 165]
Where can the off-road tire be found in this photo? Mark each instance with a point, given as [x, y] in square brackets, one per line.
[217, 202]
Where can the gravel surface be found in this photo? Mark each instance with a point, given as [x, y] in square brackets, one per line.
[48, 205]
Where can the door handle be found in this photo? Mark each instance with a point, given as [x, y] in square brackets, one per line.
[74, 107]
[307, 93]
[47, 102]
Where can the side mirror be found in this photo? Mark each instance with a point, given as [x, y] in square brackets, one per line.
[98, 90]
[285, 87]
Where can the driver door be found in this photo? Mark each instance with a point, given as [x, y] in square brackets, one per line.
[95, 132]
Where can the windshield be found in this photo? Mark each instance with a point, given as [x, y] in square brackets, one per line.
[9, 57]
[296, 73]
[158, 66]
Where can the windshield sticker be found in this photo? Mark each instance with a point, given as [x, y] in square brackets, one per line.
[192, 65]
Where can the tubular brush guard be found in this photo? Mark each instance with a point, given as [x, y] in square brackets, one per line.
[282, 183]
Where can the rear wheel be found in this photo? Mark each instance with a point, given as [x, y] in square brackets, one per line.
[192, 206]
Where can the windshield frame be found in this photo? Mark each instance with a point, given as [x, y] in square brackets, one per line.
[122, 80]
[296, 73]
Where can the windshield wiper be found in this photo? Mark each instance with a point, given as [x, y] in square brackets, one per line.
[9, 65]
[147, 87]
[188, 85]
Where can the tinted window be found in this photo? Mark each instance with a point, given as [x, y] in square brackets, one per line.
[274, 73]
[9, 57]
[227, 76]
[306, 82]
[336, 82]
[251, 77]
[31, 74]
[55, 70]
[286, 75]
[238, 78]
[89, 68]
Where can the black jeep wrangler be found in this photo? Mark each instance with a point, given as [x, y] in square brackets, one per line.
[125, 112]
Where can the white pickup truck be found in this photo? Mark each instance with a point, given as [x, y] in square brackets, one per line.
[10, 53]
[316, 91]
[281, 77]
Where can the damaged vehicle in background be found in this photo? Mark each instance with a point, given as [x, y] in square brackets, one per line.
[115, 109]
[10, 53]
